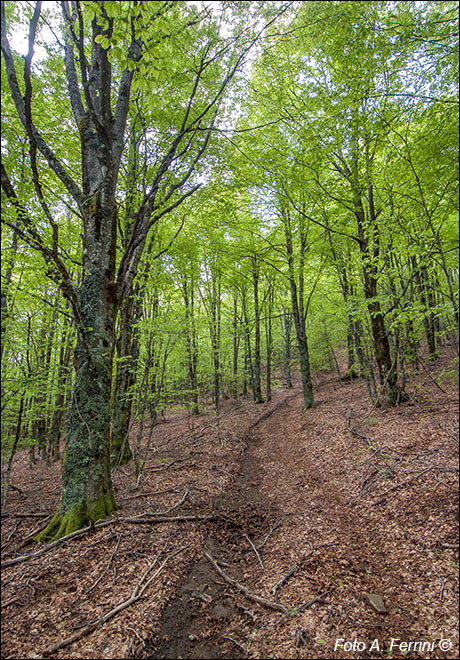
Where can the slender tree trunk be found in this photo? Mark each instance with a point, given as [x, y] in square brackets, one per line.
[256, 371]
[248, 368]
[13, 451]
[127, 357]
[391, 393]
[235, 347]
[299, 322]
[269, 342]
[191, 342]
[286, 322]
[59, 402]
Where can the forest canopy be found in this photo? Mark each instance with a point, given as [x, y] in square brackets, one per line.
[201, 201]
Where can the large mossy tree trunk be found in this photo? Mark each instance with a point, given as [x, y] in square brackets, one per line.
[87, 485]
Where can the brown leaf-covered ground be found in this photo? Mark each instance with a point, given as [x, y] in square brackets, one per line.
[340, 501]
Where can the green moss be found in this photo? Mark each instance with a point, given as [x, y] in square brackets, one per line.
[79, 516]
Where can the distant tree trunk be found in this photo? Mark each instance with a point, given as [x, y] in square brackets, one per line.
[391, 394]
[269, 341]
[5, 287]
[256, 370]
[13, 451]
[235, 347]
[286, 322]
[63, 370]
[127, 356]
[298, 314]
[248, 368]
[192, 344]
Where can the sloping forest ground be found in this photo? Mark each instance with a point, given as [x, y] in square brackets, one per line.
[243, 519]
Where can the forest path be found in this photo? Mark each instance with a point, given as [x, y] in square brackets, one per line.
[322, 485]
[340, 500]
[193, 625]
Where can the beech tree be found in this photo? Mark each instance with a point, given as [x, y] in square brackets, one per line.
[187, 221]
[105, 46]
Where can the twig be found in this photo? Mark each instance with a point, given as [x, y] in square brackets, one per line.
[367, 479]
[404, 483]
[255, 550]
[261, 545]
[237, 643]
[241, 587]
[443, 483]
[165, 466]
[450, 545]
[284, 579]
[163, 513]
[309, 603]
[15, 598]
[136, 594]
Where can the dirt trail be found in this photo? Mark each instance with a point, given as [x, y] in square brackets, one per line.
[340, 501]
[193, 624]
[305, 471]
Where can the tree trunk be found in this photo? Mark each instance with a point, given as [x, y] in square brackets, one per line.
[256, 371]
[299, 321]
[192, 348]
[391, 394]
[59, 402]
[286, 322]
[269, 341]
[127, 354]
[235, 347]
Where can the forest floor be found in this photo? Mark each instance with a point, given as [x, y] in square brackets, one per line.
[257, 534]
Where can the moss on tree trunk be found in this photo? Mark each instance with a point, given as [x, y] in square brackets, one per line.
[87, 485]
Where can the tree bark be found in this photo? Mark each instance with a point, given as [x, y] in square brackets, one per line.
[257, 392]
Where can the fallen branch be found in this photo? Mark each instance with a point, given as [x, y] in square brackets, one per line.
[247, 592]
[158, 519]
[255, 550]
[284, 579]
[296, 610]
[261, 545]
[136, 595]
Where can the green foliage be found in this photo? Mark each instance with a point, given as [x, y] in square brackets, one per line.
[362, 97]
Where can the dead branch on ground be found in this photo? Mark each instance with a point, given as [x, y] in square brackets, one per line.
[255, 550]
[284, 579]
[247, 592]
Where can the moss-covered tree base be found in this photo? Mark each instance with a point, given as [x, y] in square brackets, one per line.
[79, 516]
